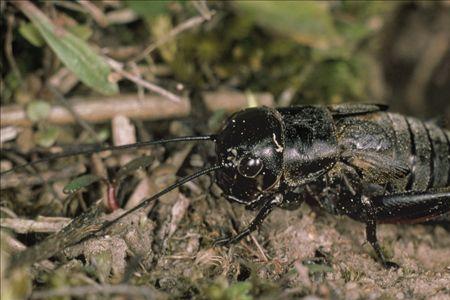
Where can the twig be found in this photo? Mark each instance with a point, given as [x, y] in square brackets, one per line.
[144, 188]
[51, 219]
[96, 13]
[29, 226]
[101, 109]
[232, 100]
[179, 157]
[8, 212]
[202, 8]
[147, 185]
[179, 209]
[64, 80]
[123, 132]
[260, 249]
[17, 180]
[8, 133]
[17, 246]
[122, 53]
[80, 228]
[105, 289]
[136, 71]
[121, 16]
[61, 99]
[180, 257]
[118, 67]
[188, 24]
[18, 159]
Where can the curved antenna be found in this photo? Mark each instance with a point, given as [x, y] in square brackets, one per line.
[99, 148]
[147, 201]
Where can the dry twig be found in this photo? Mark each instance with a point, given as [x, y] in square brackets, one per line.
[96, 13]
[8, 133]
[202, 8]
[260, 248]
[144, 188]
[179, 209]
[123, 133]
[118, 67]
[61, 99]
[233, 100]
[64, 80]
[18, 180]
[28, 226]
[101, 109]
[17, 246]
[121, 16]
[80, 228]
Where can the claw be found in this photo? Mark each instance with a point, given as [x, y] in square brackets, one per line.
[390, 265]
[223, 241]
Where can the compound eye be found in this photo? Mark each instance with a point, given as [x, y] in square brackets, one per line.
[250, 167]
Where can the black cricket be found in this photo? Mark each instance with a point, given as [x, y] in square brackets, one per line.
[351, 159]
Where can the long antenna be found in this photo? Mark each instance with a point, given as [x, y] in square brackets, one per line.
[145, 202]
[99, 148]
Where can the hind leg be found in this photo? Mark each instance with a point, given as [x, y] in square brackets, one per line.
[412, 207]
[371, 233]
[407, 207]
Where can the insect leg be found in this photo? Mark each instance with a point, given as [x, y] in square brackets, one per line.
[371, 234]
[412, 207]
[254, 224]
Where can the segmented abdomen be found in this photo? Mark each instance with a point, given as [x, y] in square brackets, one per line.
[426, 148]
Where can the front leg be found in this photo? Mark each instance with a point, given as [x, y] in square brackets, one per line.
[254, 224]
[371, 233]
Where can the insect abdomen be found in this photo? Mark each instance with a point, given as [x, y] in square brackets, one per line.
[426, 149]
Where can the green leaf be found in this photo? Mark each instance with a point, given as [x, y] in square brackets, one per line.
[133, 166]
[31, 34]
[46, 137]
[220, 290]
[239, 291]
[76, 54]
[80, 182]
[38, 110]
[308, 22]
